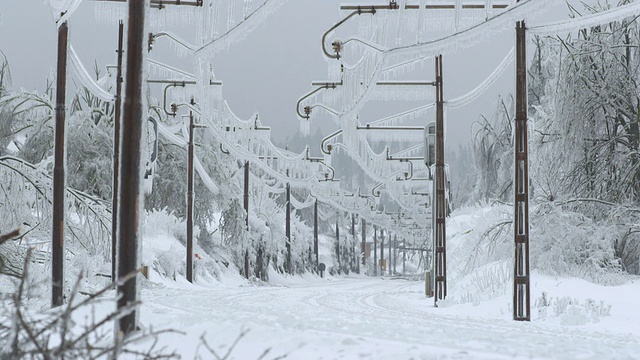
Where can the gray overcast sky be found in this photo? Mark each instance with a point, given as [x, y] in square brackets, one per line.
[267, 72]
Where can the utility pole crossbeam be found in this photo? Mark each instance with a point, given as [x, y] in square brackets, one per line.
[129, 216]
[417, 7]
[338, 47]
[521, 279]
[117, 121]
[161, 4]
[57, 244]
[440, 237]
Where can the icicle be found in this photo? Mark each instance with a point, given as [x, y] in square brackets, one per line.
[470, 37]
[402, 4]
[230, 15]
[421, 17]
[305, 127]
[458, 14]
[109, 13]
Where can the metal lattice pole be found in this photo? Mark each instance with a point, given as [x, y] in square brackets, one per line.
[116, 155]
[246, 209]
[521, 280]
[381, 252]
[440, 208]
[375, 250]
[288, 228]
[363, 247]
[315, 231]
[190, 201]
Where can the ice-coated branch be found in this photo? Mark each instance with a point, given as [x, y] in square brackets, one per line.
[571, 25]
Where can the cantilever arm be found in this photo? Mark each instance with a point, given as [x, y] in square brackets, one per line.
[223, 150]
[322, 85]
[363, 42]
[374, 192]
[173, 37]
[337, 46]
[302, 99]
[324, 145]
[334, 112]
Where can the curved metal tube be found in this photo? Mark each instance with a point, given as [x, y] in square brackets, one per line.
[223, 150]
[333, 173]
[327, 138]
[321, 161]
[164, 104]
[302, 99]
[338, 24]
[374, 192]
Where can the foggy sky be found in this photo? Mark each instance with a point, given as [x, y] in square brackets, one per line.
[267, 72]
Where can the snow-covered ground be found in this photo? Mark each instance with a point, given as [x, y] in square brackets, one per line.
[388, 318]
[360, 317]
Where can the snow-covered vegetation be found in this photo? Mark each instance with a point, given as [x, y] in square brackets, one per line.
[584, 144]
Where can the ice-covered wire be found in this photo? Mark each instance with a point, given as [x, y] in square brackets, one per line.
[404, 116]
[83, 76]
[484, 86]
[239, 31]
[470, 36]
[61, 10]
[299, 205]
[170, 135]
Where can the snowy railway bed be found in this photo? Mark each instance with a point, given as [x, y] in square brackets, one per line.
[523, 243]
[373, 318]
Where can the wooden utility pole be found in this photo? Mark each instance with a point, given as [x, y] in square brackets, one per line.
[404, 256]
[389, 256]
[381, 252]
[440, 237]
[116, 154]
[315, 231]
[57, 244]
[130, 198]
[375, 250]
[353, 234]
[363, 247]
[395, 252]
[338, 244]
[521, 281]
[288, 228]
[190, 201]
[246, 209]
